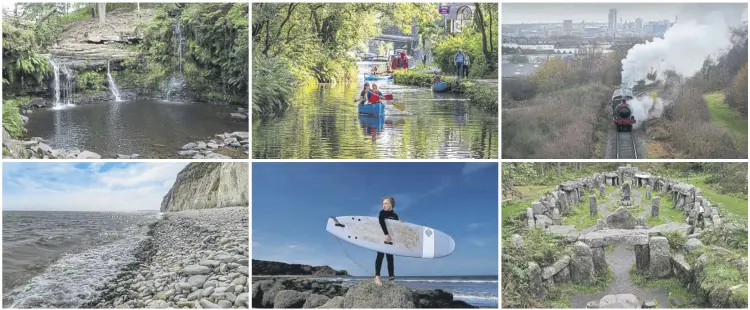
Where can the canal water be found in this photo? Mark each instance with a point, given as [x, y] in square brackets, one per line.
[150, 128]
[323, 122]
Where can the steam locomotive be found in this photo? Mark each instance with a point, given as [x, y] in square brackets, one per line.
[622, 115]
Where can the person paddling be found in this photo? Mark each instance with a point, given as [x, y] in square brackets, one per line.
[373, 93]
[363, 94]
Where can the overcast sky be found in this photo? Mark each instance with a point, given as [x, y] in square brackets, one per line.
[515, 13]
[87, 186]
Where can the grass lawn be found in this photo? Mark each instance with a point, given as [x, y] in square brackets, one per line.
[723, 116]
[666, 211]
[530, 193]
[735, 206]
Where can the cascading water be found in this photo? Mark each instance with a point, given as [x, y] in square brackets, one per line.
[176, 83]
[178, 31]
[68, 85]
[63, 84]
[112, 85]
[56, 70]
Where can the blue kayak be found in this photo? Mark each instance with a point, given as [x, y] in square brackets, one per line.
[376, 109]
[440, 87]
[370, 76]
[374, 122]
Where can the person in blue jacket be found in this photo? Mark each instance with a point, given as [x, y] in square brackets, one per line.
[458, 60]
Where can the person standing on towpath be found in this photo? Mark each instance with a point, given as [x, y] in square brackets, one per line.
[458, 60]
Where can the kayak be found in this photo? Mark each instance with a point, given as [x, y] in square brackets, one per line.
[370, 76]
[440, 87]
[377, 109]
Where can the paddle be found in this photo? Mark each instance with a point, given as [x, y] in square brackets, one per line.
[397, 105]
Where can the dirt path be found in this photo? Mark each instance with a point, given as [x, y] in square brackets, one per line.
[620, 261]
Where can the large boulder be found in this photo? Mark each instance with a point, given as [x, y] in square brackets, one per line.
[620, 301]
[367, 294]
[621, 219]
[290, 299]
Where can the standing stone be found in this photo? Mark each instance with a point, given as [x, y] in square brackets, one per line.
[582, 265]
[529, 213]
[660, 265]
[564, 202]
[648, 192]
[535, 280]
[563, 276]
[556, 218]
[625, 192]
[593, 210]
[602, 190]
[641, 259]
[655, 206]
[600, 263]
[530, 223]
[538, 207]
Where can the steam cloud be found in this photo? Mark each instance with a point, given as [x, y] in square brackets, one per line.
[645, 108]
[683, 49]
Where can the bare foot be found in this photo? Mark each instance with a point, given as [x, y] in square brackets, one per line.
[377, 281]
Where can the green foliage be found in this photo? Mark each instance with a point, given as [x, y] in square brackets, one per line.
[273, 86]
[471, 43]
[314, 37]
[676, 239]
[90, 81]
[727, 178]
[671, 285]
[23, 65]
[581, 217]
[480, 95]
[215, 46]
[540, 247]
[12, 116]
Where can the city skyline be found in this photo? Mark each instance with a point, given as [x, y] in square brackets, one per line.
[530, 13]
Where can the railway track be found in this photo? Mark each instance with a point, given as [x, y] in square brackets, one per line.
[626, 148]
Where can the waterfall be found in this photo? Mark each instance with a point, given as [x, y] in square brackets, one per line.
[112, 85]
[56, 70]
[68, 85]
[178, 31]
[63, 84]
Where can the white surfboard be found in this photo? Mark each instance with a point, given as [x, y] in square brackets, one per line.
[409, 239]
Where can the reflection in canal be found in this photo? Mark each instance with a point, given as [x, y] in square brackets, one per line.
[323, 122]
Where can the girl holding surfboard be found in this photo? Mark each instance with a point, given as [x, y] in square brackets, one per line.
[387, 213]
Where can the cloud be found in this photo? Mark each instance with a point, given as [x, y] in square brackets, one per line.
[470, 168]
[87, 186]
[477, 242]
[474, 225]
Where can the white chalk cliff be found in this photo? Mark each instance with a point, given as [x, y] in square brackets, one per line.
[208, 185]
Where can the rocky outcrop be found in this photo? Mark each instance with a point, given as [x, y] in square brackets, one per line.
[308, 293]
[262, 267]
[208, 185]
[90, 41]
[237, 142]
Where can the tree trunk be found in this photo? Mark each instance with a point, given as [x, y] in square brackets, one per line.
[102, 11]
[480, 22]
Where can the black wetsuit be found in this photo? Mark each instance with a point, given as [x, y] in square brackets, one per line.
[379, 260]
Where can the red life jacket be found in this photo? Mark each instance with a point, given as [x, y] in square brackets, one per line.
[373, 97]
